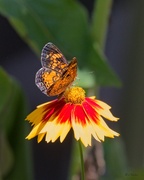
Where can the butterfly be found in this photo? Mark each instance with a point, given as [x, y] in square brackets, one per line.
[56, 73]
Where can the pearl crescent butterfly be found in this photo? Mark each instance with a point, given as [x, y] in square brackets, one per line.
[56, 73]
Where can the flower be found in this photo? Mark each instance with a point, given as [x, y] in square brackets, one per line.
[73, 110]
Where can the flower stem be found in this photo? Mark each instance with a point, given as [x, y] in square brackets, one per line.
[82, 161]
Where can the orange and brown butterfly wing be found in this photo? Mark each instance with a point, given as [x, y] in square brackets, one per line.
[52, 58]
[53, 65]
[66, 79]
[56, 74]
[45, 78]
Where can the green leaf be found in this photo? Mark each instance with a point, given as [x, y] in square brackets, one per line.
[62, 22]
[100, 21]
[66, 24]
[16, 161]
[115, 157]
[104, 74]
[7, 158]
[5, 93]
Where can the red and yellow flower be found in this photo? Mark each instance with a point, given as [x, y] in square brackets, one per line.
[83, 114]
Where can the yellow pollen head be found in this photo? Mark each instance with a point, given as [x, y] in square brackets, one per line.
[74, 95]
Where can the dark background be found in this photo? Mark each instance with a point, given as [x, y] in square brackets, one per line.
[125, 52]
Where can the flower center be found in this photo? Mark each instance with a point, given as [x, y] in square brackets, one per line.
[74, 95]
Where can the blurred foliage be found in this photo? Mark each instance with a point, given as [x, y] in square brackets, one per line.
[15, 161]
[67, 25]
[116, 163]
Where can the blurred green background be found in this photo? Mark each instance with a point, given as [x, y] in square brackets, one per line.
[107, 37]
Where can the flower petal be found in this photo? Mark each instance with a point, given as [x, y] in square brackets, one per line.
[101, 108]
[79, 125]
[40, 137]
[35, 131]
[55, 119]
[81, 133]
[105, 112]
[54, 130]
[66, 129]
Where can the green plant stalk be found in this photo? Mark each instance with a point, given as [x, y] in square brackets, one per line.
[82, 161]
[100, 19]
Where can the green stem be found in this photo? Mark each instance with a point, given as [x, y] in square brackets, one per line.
[100, 19]
[82, 162]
